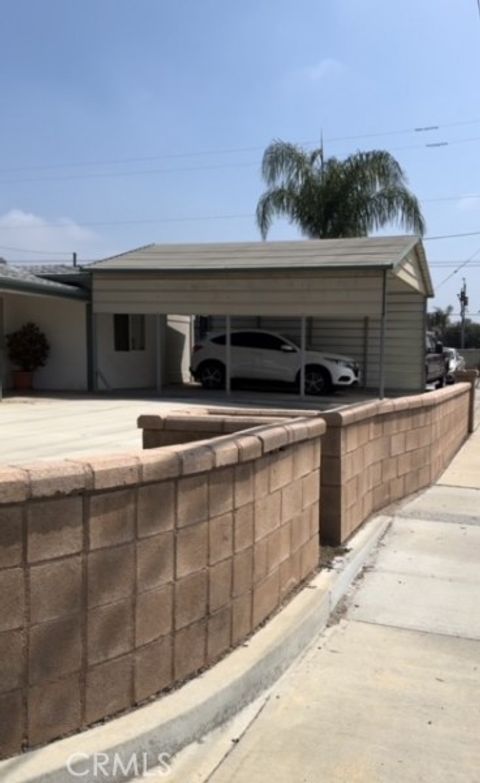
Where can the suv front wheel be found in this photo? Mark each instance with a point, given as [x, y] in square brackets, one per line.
[317, 380]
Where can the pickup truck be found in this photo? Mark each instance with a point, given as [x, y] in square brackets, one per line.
[436, 363]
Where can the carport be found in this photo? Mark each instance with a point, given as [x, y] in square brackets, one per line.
[377, 286]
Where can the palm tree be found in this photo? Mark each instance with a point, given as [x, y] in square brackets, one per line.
[335, 198]
[439, 320]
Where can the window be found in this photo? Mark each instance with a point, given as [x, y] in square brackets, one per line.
[129, 332]
[262, 340]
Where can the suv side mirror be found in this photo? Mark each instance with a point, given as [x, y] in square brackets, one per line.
[439, 347]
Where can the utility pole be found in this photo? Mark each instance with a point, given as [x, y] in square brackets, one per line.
[463, 298]
[74, 259]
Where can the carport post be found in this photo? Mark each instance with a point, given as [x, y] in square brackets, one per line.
[383, 322]
[158, 352]
[228, 355]
[303, 340]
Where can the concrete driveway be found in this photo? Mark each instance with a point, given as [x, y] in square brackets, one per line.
[59, 426]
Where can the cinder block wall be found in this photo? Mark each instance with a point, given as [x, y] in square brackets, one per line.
[120, 577]
[380, 452]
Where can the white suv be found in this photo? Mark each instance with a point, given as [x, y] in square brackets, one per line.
[256, 354]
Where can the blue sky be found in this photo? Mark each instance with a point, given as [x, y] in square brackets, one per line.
[189, 92]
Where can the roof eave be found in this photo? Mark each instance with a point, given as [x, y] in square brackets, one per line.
[26, 287]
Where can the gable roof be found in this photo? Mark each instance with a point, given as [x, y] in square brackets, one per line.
[22, 280]
[332, 254]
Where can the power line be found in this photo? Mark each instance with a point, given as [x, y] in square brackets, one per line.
[234, 150]
[40, 252]
[461, 266]
[190, 169]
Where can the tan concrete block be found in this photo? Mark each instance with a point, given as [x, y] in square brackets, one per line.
[244, 485]
[225, 452]
[241, 617]
[14, 485]
[220, 538]
[192, 550]
[153, 668]
[55, 528]
[242, 572]
[156, 508]
[154, 615]
[110, 575]
[397, 488]
[249, 447]
[309, 557]
[289, 575]
[417, 438]
[109, 688]
[389, 468]
[267, 514]
[220, 585]
[161, 465]
[219, 633]
[260, 560]
[53, 709]
[381, 495]
[11, 536]
[311, 488]
[192, 500]
[55, 649]
[55, 589]
[155, 561]
[300, 530]
[398, 444]
[273, 437]
[304, 459]
[57, 478]
[261, 478]
[243, 524]
[111, 518]
[281, 469]
[12, 731]
[109, 631]
[115, 471]
[196, 458]
[374, 475]
[285, 539]
[190, 650]
[353, 463]
[220, 488]
[266, 597]
[291, 500]
[190, 599]
[274, 554]
[13, 663]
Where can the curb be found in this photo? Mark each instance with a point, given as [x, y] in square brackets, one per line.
[169, 724]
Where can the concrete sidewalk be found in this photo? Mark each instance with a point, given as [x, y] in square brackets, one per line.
[390, 693]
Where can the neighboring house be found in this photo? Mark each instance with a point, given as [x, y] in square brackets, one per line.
[61, 312]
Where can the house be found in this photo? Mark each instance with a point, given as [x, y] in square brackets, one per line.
[126, 322]
[61, 310]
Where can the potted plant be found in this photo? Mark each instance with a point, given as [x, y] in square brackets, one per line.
[28, 350]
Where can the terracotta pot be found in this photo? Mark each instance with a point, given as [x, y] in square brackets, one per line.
[23, 380]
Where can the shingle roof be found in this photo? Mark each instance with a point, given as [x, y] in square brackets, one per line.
[19, 278]
[367, 252]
